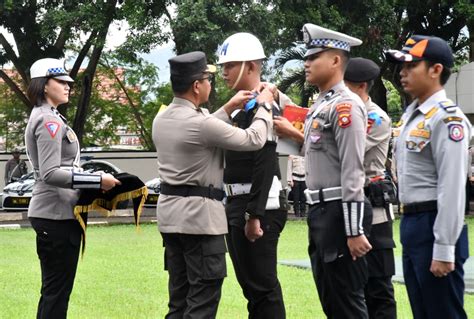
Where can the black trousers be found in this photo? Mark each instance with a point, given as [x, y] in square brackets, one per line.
[379, 293]
[255, 264]
[57, 245]
[340, 280]
[196, 267]
[299, 199]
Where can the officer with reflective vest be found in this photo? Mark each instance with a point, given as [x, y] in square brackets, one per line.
[359, 77]
[339, 217]
[191, 216]
[431, 154]
[256, 206]
[53, 150]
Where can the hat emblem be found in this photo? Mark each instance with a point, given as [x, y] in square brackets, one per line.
[223, 49]
[419, 48]
[306, 36]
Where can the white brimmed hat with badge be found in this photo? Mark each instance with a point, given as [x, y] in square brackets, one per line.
[318, 39]
[50, 68]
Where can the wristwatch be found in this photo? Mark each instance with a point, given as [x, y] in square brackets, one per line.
[247, 216]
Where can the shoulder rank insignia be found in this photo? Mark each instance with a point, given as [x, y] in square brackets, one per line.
[456, 132]
[52, 128]
[431, 112]
[448, 105]
[452, 119]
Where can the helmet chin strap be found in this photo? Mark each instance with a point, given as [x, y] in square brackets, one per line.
[240, 76]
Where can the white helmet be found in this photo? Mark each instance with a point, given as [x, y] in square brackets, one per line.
[240, 46]
[49, 68]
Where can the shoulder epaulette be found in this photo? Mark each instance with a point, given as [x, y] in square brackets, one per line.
[448, 105]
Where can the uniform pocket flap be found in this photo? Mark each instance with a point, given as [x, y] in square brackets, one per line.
[214, 245]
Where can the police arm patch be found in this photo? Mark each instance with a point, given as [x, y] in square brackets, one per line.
[456, 132]
[344, 120]
[344, 114]
[52, 127]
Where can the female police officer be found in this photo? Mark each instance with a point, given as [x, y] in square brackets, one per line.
[54, 152]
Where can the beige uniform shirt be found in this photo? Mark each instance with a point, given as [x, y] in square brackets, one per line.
[295, 169]
[189, 143]
[376, 151]
[378, 137]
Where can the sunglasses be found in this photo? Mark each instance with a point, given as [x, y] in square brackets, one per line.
[210, 78]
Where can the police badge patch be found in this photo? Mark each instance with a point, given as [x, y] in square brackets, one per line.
[52, 128]
[344, 115]
[456, 132]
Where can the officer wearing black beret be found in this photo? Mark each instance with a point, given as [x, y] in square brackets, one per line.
[191, 216]
[359, 77]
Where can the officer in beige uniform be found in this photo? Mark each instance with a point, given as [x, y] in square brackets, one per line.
[359, 77]
[191, 217]
[15, 167]
[295, 176]
[54, 152]
[431, 152]
[334, 147]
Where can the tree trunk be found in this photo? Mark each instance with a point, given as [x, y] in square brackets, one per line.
[379, 94]
[19, 93]
[470, 28]
[88, 79]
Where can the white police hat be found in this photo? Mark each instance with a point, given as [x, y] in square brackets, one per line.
[318, 38]
[49, 68]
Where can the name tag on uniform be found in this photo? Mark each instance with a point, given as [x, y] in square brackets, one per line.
[71, 137]
[420, 133]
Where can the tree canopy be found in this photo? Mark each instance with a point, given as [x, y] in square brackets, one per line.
[78, 31]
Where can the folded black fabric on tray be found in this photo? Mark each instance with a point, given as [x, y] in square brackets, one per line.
[131, 188]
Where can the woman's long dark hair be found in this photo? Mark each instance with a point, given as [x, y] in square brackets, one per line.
[35, 91]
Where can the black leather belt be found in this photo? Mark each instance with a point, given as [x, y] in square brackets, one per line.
[298, 175]
[190, 190]
[421, 207]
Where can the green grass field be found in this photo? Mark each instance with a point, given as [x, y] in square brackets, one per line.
[122, 276]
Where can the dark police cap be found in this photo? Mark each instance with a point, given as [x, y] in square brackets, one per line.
[190, 66]
[361, 70]
[420, 47]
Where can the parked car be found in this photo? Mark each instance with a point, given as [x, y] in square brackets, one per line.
[17, 195]
[153, 192]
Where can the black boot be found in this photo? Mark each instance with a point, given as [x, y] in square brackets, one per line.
[303, 210]
[297, 211]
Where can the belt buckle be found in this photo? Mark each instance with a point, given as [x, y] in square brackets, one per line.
[401, 208]
[228, 190]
